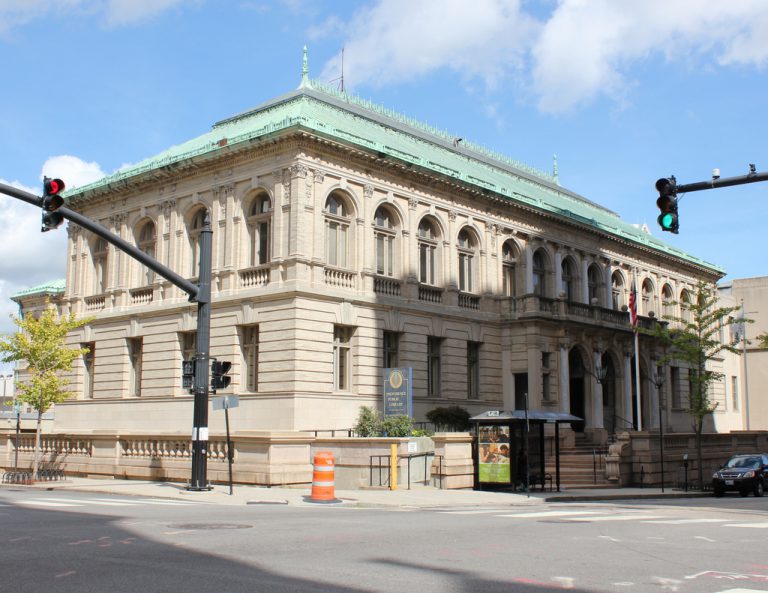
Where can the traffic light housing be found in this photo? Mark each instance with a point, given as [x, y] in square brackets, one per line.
[188, 374]
[667, 203]
[219, 377]
[52, 201]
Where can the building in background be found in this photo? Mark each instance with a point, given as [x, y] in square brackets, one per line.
[748, 374]
[348, 239]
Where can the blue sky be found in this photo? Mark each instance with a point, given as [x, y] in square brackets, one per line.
[622, 92]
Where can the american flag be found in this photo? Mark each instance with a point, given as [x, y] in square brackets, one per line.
[633, 304]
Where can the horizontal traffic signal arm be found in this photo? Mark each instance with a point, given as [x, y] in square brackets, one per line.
[722, 182]
[194, 291]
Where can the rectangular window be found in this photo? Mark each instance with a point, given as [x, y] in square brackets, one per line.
[434, 346]
[89, 368]
[735, 393]
[391, 342]
[426, 264]
[188, 345]
[473, 370]
[508, 280]
[674, 373]
[521, 390]
[250, 347]
[341, 357]
[135, 352]
[263, 255]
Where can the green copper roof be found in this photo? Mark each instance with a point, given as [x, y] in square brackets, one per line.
[52, 287]
[353, 121]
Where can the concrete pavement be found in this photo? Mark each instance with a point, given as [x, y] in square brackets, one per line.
[416, 497]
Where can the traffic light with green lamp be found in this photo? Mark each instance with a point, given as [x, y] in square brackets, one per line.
[52, 201]
[667, 203]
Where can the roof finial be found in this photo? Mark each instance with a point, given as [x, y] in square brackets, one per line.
[554, 169]
[305, 71]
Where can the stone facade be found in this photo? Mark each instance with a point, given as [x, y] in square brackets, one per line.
[334, 259]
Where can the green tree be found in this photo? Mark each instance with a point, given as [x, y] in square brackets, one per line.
[694, 339]
[40, 343]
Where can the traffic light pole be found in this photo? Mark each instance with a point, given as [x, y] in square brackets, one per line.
[716, 182]
[199, 293]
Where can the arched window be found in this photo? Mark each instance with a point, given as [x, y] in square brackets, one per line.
[467, 247]
[384, 234]
[100, 268]
[196, 224]
[509, 254]
[539, 271]
[427, 241]
[337, 230]
[146, 242]
[649, 300]
[569, 278]
[667, 301]
[685, 306]
[594, 283]
[617, 290]
[259, 222]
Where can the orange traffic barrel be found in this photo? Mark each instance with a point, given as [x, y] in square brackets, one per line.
[322, 478]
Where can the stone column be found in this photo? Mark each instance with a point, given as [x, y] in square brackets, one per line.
[626, 411]
[597, 390]
[558, 273]
[564, 380]
[529, 268]
[584, 281]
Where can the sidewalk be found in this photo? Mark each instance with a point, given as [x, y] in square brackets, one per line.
[417, 497]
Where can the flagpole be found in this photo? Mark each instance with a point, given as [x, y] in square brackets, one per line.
[633, 319]
[638, 406]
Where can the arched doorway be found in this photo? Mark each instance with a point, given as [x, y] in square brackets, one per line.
[576, 375]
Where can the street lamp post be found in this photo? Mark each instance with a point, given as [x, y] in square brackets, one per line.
[658, 381]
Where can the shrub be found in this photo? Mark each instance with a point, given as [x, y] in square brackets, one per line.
[368, 423]
[454, 418]
[397, 426]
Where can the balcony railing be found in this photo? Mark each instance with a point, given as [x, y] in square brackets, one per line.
[469, 301]
[340, 278]
[430, 294]
[96, 302]
[386, 286]
[142, 296]
[256, 276]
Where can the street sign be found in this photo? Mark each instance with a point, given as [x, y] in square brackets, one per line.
[225, 402]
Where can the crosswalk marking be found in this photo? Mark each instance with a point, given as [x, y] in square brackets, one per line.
[542, 514]
[748, 525]
[614, 518]
[111, 502]
[472, 512]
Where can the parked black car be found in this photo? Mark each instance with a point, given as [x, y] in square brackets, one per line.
[742, 473]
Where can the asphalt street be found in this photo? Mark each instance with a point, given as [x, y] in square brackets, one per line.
[91, 542]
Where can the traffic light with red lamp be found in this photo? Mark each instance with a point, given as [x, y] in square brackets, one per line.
[667, 203]
[52, 201]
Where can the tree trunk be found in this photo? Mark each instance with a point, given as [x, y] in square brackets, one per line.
[699, 455]
[36, 456]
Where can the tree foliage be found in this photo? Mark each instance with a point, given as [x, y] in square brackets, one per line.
[40, 343]
[453, 418]
[694, 340]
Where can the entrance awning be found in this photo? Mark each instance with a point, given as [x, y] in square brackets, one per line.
[502, 417]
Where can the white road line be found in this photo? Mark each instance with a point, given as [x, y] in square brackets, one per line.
[685, 521]
[615, 518]
[749, 525]
[90, 501]
[45, 503]
[483, 512]
[543, 514]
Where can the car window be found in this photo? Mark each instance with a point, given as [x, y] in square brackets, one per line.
[741, 462]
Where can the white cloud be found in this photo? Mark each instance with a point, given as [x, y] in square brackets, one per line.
[579, 51]
[394, 41]
[30, 257]
[587, 48]
[114, 13]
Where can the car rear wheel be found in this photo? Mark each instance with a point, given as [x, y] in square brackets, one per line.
[759, 488]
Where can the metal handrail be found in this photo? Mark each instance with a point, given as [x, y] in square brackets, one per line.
[409, 457]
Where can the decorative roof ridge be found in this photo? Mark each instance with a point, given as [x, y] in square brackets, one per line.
[52, 286]
[429, 129]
